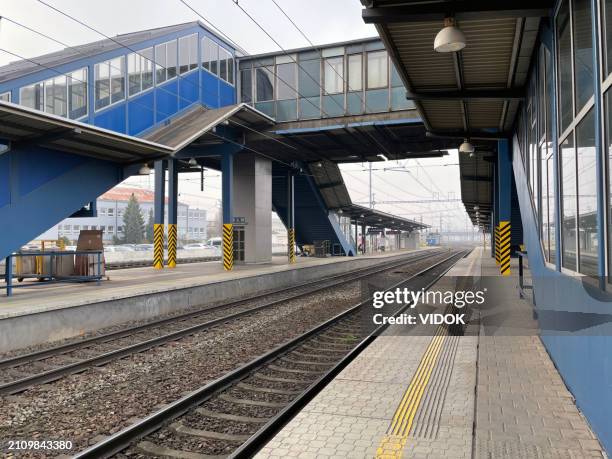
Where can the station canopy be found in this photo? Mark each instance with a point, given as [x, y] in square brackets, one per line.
[24, 126]
[474, 93]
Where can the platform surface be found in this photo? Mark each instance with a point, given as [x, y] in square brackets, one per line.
[131, 282]
[478, 396]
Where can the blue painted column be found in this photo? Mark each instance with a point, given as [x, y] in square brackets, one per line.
[227, 192]
[172, 211]
[8, 275]
[158, 225]
[504, 204]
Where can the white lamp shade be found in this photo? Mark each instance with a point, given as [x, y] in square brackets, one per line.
[466, 147]
[144, 170]
[449, 40]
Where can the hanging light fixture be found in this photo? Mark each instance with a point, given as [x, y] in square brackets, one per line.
[450, 39]
[467, 147]
[144, 169]
[193, 162]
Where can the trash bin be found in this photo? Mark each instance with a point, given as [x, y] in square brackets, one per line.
[321, 248]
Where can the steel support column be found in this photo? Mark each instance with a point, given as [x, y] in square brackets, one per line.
[172, 211]
[504, 192]
[363, 238]
[599, 154]
[158, 225]
[356, 238]
[227, 185]
[291, 217]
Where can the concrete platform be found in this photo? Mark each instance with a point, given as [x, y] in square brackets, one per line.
[49, 312]
[482, 395]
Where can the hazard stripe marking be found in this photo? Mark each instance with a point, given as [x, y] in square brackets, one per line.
[228, 246]
[172, 240]
[158, 245]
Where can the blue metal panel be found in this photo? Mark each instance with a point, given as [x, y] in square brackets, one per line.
[5, 190]
[41, 166]
[167, 100]
[227, 94]
[113, 119]
[30, 214]
[141, 113]
[574, 320]
[227, 187]
[189, 87]
[210, 90]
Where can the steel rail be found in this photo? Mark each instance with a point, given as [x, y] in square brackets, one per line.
[65, 348]
[22, 384]
[125, 437]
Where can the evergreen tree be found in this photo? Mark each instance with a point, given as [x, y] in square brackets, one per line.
[149, 228]
[133, 222]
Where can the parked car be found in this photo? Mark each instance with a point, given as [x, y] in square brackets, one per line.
[196, 246]
[143, 247]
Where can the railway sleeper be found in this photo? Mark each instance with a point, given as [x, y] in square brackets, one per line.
[151, 449]
[267, 390]
[230, 417]
[245, 401]
[281, 380]
[293, 370]
[180, 428]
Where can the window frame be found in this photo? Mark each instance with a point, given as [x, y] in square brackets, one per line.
[141, 59]
[110, 87]
[6, 93]
[191, 64]
[204, 41]
[165, 67]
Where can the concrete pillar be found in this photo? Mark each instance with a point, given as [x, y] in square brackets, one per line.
[291, 217]
[227, 185]
[172, 211]
[253, 205]
[158, 219]
[363, 238]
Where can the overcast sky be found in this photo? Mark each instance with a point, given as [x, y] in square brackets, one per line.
[323, 21]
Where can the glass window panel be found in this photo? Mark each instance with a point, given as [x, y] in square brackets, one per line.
[214, 57]
[583, 52]
[569, 203]
[286, 110]
[395, 77]
[31, 96]
[102, 85]
[398, 99]
[551, 210]
[333, 105]
[544, 199]
[117, 72]
[608, 114]
[5, 96]
[147, 68]
[286, 81]
[134, 74]
[310, 107]
[377, 69]
[230, 69]
[184, 57]
[265, 84]
[160, 60]
[171, 50]
[77, 94]
[309, 78]
[223, 55]
[549, 94]
[587, 196]
[541, 93]
[266, 107]
[355, 72]
[377, 100]
[354, 103]
[565, 66]
[56, 96]
[246, 86]
[193, 51]
[333, 69]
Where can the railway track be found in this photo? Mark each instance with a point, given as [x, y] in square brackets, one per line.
[24, 371]
[236, 414]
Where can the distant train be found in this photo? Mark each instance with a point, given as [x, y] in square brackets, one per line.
[432, 239]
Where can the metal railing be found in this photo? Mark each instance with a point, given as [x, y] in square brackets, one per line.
[45, 267]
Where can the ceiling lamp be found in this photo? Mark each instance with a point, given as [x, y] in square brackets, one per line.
[450, 39]
[340, 211]
[193, 162]
[466, 147]
[144, 170]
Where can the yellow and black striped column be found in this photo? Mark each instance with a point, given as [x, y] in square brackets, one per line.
[158, 222]
[158, 245]
[172, 238]
[291, 244]
[497, 245]
[228, 246]
[504, 248]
